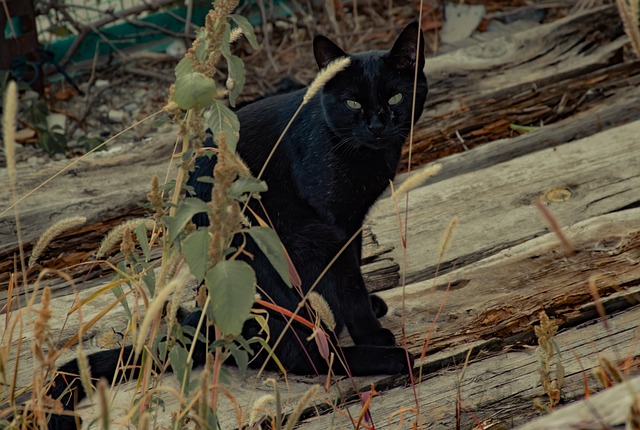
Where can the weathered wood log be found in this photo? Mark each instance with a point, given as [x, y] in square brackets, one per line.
[495, 386]
[533, 77]
[577, 181]
[612, 407]
[499, 388]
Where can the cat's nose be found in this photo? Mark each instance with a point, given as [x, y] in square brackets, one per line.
[376, 128]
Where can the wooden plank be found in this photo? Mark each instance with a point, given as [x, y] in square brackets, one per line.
[514, 285]
[494, 204]
[604, 410]
[500, 296]
[100, 187]
[499, 389]
[533, 77]
[611, 113]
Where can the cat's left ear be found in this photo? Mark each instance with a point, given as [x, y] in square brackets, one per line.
[326, 51]
[409, 47]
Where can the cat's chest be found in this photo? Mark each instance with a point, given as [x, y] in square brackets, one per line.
[343, 187]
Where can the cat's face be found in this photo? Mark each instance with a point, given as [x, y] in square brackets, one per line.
[369, 104]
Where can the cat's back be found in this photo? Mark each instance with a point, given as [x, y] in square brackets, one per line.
[261, 124]
[268, 117]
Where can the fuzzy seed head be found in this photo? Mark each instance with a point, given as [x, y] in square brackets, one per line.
[324, 76]
[9, 128]
[320, 305]
[51, 233]
[115, 235]
[418, 178]
[261, 406]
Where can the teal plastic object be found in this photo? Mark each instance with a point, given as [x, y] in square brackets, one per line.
[127, 36]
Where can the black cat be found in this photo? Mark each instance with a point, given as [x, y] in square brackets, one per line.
[337, 158]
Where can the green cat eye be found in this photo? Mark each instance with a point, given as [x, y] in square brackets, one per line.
[395, 99]
[353, 104]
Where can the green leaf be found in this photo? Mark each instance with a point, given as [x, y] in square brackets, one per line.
[195, 249]
[149, 279]
[141, 235]
[235, 81]
[240, 356]
[246, 184]
[202, 49]
[179, 359]
[522, 128]
[247, 29]
[269, 243]
[119, 292]
[192, 88]
[60, 30]
[232, 288]
[187, 209]
[220, 118]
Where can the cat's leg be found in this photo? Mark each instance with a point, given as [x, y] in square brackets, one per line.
[67, 387]
[378, 305]
[302, 357]
[360, 310]
[114, 364]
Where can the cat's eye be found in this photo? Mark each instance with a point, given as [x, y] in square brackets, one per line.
[395, 99]
[353, 104]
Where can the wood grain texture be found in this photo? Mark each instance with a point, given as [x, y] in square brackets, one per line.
[598, 174]
[499, 388]
[532, 77]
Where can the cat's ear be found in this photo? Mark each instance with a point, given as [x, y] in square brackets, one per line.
[326, 51]
[409, 47]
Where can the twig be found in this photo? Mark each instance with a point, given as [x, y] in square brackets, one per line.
[86, 29]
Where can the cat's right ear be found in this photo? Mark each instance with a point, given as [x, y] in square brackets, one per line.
[326, 51]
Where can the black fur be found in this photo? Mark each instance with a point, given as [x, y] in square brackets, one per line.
[330, 168]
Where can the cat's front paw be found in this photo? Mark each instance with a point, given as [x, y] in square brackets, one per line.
[63, 422]
[379, 337]
[398, 364]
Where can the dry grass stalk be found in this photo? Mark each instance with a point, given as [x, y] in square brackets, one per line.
[633, 422]
[155, 309]
[554, 225]
[261, 406]
[630, 15]
[320, 305]
[42, 332]
[320, 80]
[103, 402]
[446, 238]
[115, 235]
[418, 178]
[51, 233]
[332, 69]
[301, 406]
[547, 354]
[9, 129]
[9, 135]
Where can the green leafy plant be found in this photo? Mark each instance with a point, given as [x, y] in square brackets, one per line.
[196, 102]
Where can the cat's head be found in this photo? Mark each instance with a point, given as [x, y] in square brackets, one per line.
[369, 104]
